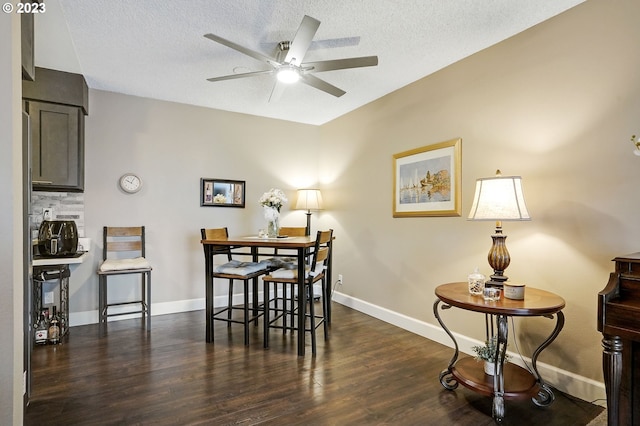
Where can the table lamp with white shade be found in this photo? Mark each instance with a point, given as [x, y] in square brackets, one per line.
[309, 199]
[499, 198]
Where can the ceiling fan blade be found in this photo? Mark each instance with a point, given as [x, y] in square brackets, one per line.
[277, 91]
[331, 43]
[302, 40]
[235, 46]
[320, 84]
[339, 64]
[241, 75]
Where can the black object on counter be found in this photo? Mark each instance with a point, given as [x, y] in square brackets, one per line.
[58, 238]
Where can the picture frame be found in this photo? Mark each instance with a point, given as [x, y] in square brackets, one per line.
[222, 192]
[427, 180]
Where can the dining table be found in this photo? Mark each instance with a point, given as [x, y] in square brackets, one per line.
[257, 247]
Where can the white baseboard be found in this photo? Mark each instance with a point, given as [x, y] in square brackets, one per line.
[163, 308]
[565, 381]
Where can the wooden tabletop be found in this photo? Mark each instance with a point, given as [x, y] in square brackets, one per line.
[536, 302]
[256, 241]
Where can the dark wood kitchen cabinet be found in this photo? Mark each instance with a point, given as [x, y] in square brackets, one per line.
[57, 146]
[57, 102]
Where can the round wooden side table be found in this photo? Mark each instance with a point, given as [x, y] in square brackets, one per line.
[509, 381]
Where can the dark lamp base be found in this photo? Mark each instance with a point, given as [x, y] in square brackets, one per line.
[496, 281]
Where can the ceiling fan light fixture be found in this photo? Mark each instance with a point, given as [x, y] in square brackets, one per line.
[288, 75]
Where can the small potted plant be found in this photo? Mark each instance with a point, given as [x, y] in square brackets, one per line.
[487, 353]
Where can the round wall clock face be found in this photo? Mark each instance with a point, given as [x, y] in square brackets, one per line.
[130, 183]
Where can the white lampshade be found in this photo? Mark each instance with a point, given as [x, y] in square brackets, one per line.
[499, 198]
[309, 199]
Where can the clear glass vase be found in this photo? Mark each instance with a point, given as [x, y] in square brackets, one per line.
[273, 228]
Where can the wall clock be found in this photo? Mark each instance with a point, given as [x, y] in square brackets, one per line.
[130, 183]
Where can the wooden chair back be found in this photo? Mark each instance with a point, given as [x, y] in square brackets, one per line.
[217, 234]
[293, 231]
[322, 248]
[123, 239]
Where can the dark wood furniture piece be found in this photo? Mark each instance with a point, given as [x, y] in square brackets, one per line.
[123, 253]
[301, 245]
[510, 380]
[27, 46]
[57, 102]
[619, 323]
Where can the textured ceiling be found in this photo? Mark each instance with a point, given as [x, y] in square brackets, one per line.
[156, 49]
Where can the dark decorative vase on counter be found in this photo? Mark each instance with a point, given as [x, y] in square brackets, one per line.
[58, 238]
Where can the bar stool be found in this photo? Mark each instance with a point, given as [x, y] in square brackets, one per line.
[123, 253]
[314, 272]
[236, 270]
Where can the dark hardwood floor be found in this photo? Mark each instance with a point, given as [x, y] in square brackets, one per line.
[367, 373]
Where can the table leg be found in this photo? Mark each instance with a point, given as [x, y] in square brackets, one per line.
[302, 301]
[545, 395]
[208, 289]
[498, 378]
[446, 378]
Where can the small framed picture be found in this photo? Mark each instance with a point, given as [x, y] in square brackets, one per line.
[221, 192]
[426, 181]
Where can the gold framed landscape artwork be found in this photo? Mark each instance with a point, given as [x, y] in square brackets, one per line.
[427, 180]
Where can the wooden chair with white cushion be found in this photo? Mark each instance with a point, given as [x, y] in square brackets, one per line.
[282, 295]
[236, 270]
[315, 271]
[123, 253]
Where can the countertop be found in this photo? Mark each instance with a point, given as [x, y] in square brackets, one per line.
[48, 261]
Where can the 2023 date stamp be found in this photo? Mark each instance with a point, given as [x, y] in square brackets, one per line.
[21, 8]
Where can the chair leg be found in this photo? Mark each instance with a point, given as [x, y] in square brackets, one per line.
[325, 309]
[312, 318]
[246, 312]
[292, 319]
[102, 296]
[148, 301]
[265, 305]
[284, 306]
[230, 303]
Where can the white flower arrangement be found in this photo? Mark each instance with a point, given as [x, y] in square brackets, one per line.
[219, 199]
[274, 198]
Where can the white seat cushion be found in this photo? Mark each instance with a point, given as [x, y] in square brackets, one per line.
[291, 271]
[124, 264]
[279, 262]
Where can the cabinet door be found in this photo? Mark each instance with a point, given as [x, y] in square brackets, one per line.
[57, 147]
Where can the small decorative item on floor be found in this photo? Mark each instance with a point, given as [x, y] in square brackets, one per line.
[487, 354]
[272, 201]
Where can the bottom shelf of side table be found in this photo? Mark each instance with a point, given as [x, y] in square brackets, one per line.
[518, 382]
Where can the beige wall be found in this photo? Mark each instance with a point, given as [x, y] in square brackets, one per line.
[557, 105]
[171, 146]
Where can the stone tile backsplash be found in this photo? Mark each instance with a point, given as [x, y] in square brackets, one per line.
[65, 205]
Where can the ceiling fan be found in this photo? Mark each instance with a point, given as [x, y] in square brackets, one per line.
[288, 64]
